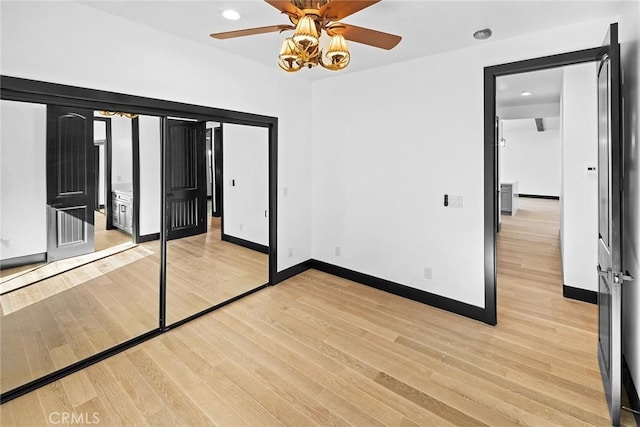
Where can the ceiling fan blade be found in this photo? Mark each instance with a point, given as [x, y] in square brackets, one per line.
[251, 31]
[285, 6]
[365, 35]
[340, 9]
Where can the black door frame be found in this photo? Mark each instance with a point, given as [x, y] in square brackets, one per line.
[96, 173]
[216, 145]
[108, 154]
[39, 92]
[490, 157]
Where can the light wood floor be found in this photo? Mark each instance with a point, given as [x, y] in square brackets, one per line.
[320, 350]
[103, 239]
[76, 314]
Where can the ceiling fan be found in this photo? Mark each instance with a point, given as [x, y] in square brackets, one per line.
[309, 18]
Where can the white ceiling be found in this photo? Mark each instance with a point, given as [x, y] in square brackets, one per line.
[427, 27]
[544, 86]
[530, 124]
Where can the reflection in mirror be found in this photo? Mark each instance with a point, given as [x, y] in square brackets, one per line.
[210, 258]
[72, 282]
[100, 142]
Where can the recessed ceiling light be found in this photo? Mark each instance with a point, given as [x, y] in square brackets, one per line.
[525, 93]
[482, 34]
[231, 14]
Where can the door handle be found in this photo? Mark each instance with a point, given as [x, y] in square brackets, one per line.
[616, 278]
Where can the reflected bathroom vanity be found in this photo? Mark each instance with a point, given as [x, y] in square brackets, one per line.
[122, 205]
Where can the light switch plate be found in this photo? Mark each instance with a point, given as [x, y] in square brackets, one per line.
[455, 202]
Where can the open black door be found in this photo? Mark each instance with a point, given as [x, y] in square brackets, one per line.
[610, 276]
[186, 178]
[70, 182]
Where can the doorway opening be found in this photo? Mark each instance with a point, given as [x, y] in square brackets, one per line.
[609, 173]
[491, 160]
[547, 174]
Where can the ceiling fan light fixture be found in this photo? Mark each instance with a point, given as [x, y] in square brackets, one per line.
[337, 53]
[308, 19]
[289, 56]
[306, 33]
[118, 113]
[288, 49]
[337, 47]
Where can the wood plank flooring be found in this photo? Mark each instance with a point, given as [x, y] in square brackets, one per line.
[71, 316]
[103, 239]
[320, 350]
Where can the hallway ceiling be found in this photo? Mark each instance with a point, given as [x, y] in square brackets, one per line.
[427, 27]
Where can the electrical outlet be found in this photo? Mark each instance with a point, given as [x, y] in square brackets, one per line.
[290, 252]
[240, 227]
[338, 251]
[285, 192]
[427, 273]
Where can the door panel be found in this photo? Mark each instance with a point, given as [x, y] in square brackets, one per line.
[609, 224]
[186, 178]
[70, 182]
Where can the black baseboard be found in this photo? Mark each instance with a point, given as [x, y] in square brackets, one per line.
[23, 260]
[246, 243]
[580, 294]
[457, 307]
[288, 273]
[536, 196]
[148, 238]
[632, 392]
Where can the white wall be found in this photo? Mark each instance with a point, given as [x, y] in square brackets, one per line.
[530, 157]
[122, 154]
[150, 177]
[141, 61]
[579, 126]
[245, 170]
[400, 137]
[23, 191]
[630, 42]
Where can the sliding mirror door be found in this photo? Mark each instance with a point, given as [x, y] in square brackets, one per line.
[74, 282]
[213, 259]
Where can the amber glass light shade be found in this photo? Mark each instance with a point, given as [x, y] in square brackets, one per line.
[306, 33]
[288, 59]
[337, 50]
[288, 50]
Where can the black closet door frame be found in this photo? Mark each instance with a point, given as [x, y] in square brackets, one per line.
[40, 92]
